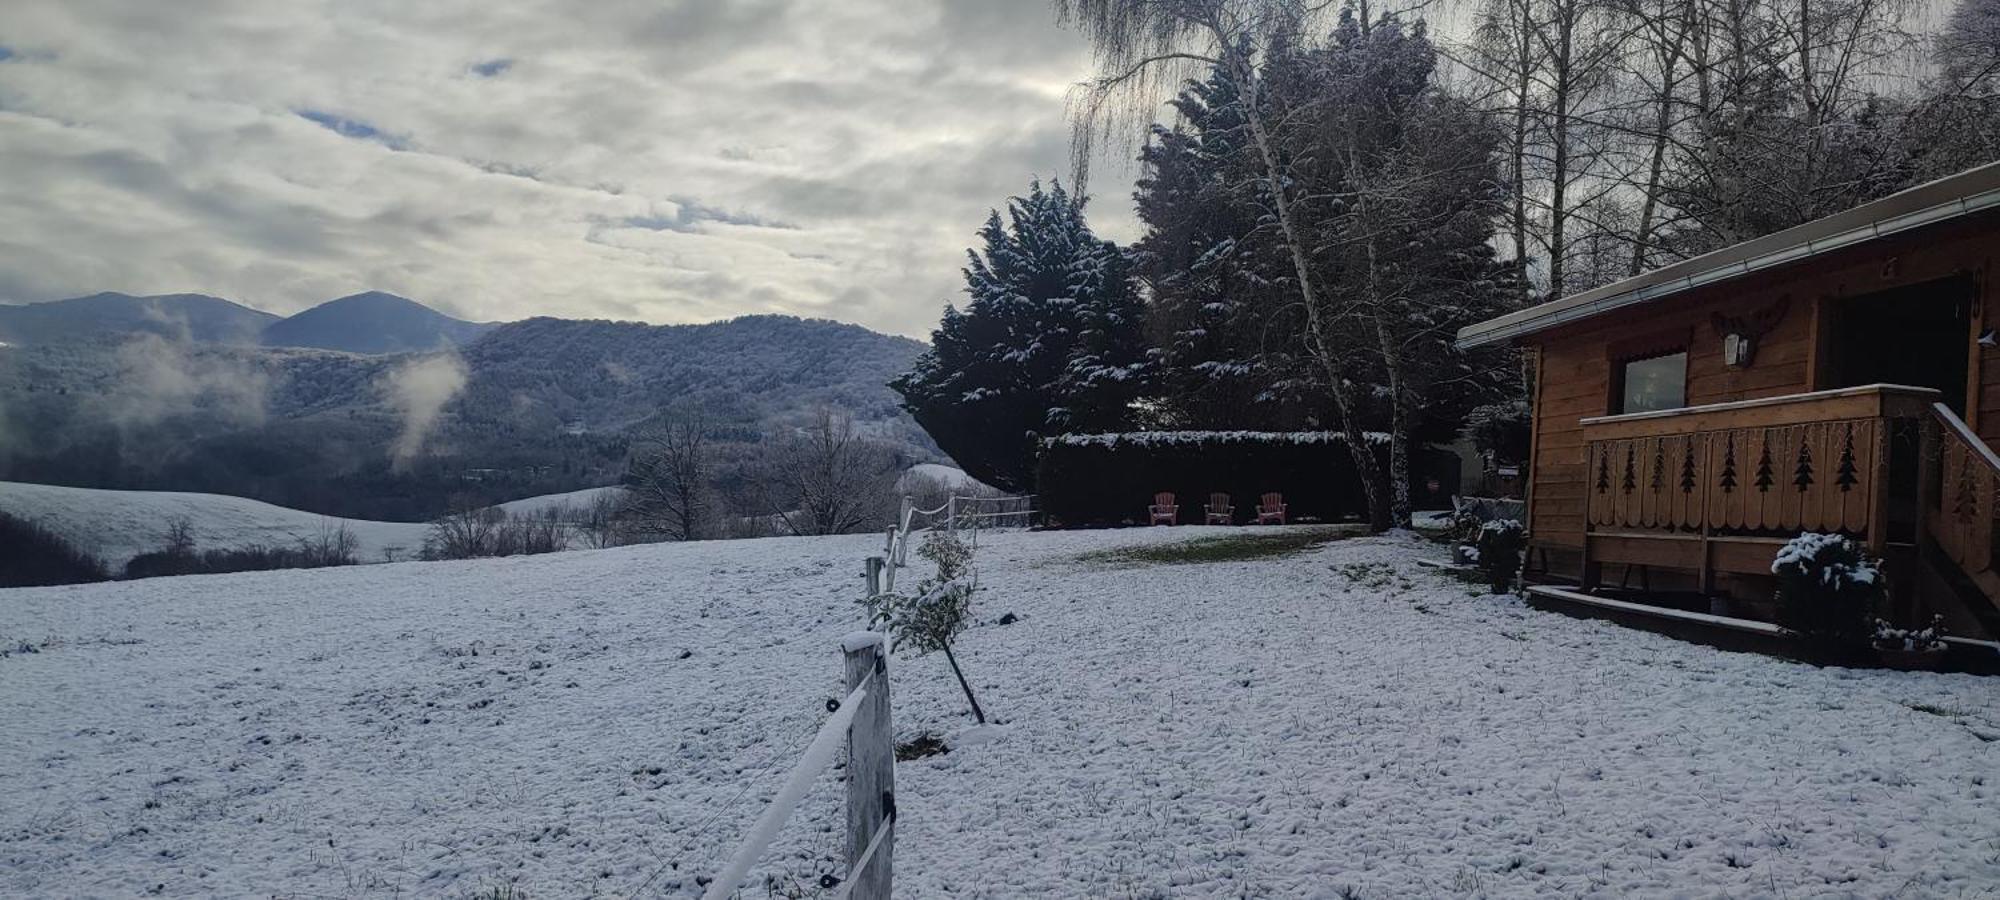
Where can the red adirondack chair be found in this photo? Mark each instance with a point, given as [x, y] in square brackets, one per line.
[1220, 510]
[1163, 510]
[1271, 508]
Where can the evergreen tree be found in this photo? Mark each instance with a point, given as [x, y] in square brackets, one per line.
[1227, 346]
[1050, 341]
[1395, 189]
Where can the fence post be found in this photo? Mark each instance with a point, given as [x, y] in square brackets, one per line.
[871, 568]
[871, 768]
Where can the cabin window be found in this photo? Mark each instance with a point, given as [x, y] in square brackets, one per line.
[1653, 383]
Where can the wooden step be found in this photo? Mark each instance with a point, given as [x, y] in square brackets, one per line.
[1746, 626]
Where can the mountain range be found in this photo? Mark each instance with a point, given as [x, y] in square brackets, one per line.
[371, 322]
[376, 407]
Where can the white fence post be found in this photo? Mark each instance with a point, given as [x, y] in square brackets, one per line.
[871, 774]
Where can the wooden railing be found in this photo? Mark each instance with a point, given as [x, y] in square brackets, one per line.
[1821, 461]
[1960, 510]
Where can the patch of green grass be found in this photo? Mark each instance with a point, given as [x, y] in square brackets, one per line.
[1223, 548]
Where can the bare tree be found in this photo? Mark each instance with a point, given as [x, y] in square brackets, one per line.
[828, 479]
[468, 531]
[599, 521]
[671, 494]
[1551, 68]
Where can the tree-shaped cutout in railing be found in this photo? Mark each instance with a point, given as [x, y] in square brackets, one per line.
[1729, 463]
[1845, 474]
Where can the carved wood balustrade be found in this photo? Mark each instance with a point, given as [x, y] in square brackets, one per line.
[1842, 461]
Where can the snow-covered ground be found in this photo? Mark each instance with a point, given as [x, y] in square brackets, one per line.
[118, 525]
[574, 500]
[1295, 726]
[951, 477]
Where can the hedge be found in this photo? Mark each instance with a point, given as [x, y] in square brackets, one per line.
[1109, 479]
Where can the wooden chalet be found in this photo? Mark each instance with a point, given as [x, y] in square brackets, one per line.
[1840, 376]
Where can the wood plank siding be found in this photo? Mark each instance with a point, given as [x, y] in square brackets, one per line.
[1578, 364]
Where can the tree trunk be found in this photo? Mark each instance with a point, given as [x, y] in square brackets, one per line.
[1564, 66]
[1523, 73]
[1399, 396]
[1399, 432]
[1663, 120]
[1316, 318]
[977, 713]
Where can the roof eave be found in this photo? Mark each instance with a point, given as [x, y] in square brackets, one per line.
[1968, 192]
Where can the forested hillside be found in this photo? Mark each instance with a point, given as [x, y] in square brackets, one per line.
[533, 407]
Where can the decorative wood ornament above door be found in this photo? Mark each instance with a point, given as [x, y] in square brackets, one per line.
[1740, 333]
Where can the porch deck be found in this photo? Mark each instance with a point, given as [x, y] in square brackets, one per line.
[1703, 496]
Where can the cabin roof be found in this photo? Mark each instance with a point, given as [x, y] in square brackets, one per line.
[1946, 198]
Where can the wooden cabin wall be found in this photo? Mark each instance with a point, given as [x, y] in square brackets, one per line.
[1575, 363]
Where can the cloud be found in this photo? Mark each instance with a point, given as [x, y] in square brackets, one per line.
[419, 390]
[158, 379]
[652, 159]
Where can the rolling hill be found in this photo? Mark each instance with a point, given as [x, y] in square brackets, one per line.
[535, 407]
[194, 317]
[118, 525]
[372, 322]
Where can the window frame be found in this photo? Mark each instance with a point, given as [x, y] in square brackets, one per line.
[1624, 353]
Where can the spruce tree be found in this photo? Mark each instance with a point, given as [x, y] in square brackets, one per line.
[1050, 341]
[1227, 343]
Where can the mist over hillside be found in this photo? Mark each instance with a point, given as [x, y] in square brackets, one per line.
[532, 407]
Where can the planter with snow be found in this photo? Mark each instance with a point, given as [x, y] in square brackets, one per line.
[1911, 649]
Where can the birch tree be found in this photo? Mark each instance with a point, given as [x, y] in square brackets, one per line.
[1146, 48]
[1417, 194]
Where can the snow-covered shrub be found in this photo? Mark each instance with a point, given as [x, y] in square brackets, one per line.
[1930, 639]
[1828, 588]
[938, 610]
[1499, 551]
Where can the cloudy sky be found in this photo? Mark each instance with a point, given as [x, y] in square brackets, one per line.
[661, 160]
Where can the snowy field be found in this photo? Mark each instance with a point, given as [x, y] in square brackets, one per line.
[609, 722]
[118, 525]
